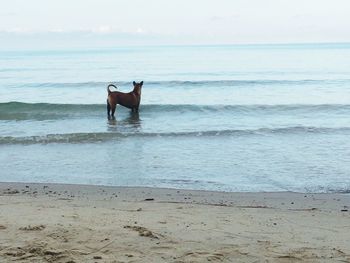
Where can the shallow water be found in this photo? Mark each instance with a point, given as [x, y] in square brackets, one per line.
[233, 118]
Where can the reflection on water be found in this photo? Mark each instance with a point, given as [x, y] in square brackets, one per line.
[112, 120]
[132, 123]
[134, 120]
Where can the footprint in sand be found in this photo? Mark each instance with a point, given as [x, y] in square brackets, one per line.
[201, 255]
[144, 232]
[32, 228]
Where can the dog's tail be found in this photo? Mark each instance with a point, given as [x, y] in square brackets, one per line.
[110, 85]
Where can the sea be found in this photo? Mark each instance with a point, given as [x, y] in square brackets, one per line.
[255, 118]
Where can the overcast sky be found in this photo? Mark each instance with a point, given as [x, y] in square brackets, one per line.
[107, 22]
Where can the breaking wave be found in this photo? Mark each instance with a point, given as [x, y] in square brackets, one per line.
[112, 136]
[46, 111]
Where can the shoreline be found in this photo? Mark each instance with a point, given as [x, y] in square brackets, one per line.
[42, 222]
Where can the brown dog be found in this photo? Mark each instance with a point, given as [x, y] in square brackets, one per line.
[130, 100]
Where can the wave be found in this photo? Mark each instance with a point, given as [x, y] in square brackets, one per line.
[181, 83]
[112, 136]
[47, 111]
[27, 107]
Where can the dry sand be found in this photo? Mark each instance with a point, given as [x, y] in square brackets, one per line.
[71, 223]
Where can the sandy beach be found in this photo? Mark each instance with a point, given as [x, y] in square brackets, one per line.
[78, 223]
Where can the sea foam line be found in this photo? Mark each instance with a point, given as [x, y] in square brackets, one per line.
[185, 83]
[44, 111]
[109, 136]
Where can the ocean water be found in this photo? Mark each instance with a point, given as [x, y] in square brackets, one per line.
[228, 118]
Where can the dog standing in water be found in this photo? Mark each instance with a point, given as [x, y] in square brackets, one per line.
[130, 100]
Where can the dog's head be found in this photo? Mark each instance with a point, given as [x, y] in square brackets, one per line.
[137, 87]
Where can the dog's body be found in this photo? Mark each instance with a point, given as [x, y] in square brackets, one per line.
[130, 100]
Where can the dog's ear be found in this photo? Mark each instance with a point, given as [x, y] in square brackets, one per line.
[141, 83]
[134, 83]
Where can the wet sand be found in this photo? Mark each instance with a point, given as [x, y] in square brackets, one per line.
[78, 223]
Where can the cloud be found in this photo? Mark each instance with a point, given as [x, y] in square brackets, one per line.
[140, 30]
[56, 30]
[98, 30]
[17, 30]
[58, 38]
[224, 18]
[105, 29]
[7, 14]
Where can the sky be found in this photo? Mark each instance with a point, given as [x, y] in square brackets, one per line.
[84, 23]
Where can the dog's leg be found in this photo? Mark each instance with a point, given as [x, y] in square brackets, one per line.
[108, 109]
[113, 109]
[137, 107]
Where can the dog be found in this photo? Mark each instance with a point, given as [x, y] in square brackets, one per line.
[130, 100]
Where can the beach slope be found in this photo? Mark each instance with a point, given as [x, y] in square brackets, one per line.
[78, 223]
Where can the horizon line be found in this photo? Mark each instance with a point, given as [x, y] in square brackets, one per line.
[145, 45]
